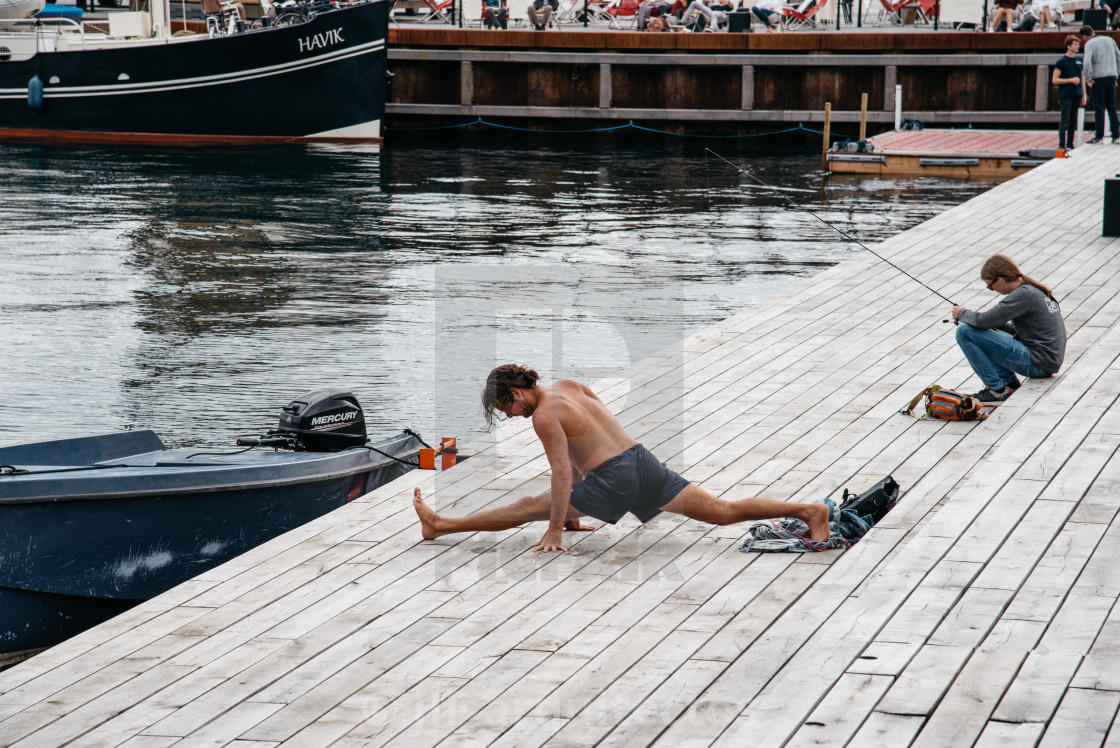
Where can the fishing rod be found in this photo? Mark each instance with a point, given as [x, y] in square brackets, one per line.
[838, 230]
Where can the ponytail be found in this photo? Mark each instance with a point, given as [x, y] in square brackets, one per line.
[1032, 282]
[1002, 266]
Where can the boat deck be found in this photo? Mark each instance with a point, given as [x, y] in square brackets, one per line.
[982, 610]
[952, 153]
[963, 142]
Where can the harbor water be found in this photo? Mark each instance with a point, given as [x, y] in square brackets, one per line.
[196, 293]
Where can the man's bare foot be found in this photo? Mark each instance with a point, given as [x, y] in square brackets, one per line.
[429, 520]
[817, 520]
[576, 524]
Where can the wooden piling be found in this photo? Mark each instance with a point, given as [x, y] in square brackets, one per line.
[824, 143]
[863, 117]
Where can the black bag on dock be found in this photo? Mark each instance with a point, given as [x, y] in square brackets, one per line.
[1095, 18]
[875, 502]
[739, 21]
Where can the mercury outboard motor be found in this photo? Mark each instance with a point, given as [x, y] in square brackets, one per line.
[324, 421]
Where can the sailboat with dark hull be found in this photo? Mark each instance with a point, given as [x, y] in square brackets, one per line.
[322, 80]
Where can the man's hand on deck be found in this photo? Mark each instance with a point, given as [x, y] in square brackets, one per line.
[551, 541]
[576, 524]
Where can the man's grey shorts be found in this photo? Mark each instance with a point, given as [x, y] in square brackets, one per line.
[632, 481]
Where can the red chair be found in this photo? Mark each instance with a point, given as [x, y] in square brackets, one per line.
[503, 17]
[438, 10]
[624, 9]
[926, 8]
[802, 15]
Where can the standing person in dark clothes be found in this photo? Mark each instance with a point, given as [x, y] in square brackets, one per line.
[1071, 94]
[1113, 7]
[1102, 65]
[597, 471]
[1022, 334]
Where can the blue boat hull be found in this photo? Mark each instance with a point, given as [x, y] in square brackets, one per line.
[97, 540]
[36, 620]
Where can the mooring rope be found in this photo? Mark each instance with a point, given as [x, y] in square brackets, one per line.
[629, 125]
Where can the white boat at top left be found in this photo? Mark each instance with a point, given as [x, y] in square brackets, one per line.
[20, 8]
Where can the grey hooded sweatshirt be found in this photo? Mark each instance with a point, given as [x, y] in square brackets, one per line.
[1033, 318]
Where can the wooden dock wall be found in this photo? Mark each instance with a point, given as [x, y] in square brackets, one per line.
[719, 82]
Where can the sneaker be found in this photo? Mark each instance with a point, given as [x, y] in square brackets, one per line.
[1015, 384]
[1095, 140]
[988, 395]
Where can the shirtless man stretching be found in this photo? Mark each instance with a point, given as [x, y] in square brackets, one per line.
[597, 471]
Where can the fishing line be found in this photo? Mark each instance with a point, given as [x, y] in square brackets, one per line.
[707, 182]
[839, 231]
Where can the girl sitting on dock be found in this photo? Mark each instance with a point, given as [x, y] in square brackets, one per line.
[1023, 334]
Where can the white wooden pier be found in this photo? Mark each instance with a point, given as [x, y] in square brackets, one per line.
[982, 611]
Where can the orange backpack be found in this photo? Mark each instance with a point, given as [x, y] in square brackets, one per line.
[947, 405]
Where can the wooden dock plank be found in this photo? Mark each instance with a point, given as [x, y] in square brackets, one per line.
[437, 724]
[887, 729]
[317, 698]
[920, 687]
[1006, 734]
[964, 710]
[1084, 718]
[842, 712]
[1038, 688]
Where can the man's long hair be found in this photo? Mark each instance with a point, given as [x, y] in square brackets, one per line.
[499, 385]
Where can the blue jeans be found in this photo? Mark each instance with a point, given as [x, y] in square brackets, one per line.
[765, 16]
[996, 356]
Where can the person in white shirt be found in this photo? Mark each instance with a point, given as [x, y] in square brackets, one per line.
[1045, 12]
[769, 12]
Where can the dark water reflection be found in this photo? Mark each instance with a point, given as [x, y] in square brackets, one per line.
[197, 293]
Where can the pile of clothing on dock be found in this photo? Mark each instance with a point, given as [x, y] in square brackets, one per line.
[848, 523]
